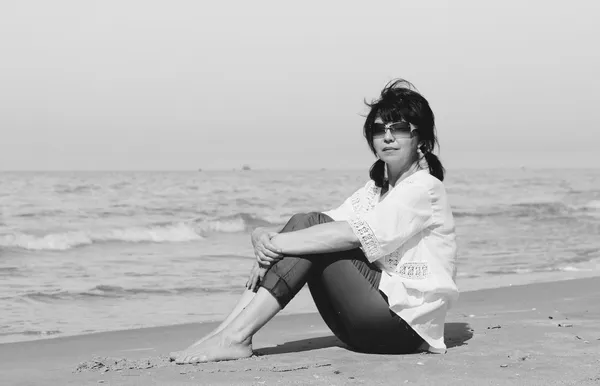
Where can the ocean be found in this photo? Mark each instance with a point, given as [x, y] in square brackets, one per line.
[85, 252]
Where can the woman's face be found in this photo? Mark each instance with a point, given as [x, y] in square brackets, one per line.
[395, 143]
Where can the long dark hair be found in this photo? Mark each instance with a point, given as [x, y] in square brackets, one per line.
[400, 102]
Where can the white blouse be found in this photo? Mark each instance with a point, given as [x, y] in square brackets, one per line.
[410, 236]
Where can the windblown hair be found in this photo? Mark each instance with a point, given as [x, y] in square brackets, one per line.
[400, 102]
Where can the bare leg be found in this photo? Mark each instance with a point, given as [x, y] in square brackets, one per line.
[234, 341]
[245, 299]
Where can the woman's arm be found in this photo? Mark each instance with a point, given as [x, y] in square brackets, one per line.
[322, 238]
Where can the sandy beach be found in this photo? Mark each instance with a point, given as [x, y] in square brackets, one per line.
[537, 334]
[146, 144]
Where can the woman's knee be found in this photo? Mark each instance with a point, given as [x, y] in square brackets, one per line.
[306, 220]
[298, 217]
[295, 222]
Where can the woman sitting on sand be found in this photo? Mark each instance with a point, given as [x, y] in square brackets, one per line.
[380, 268]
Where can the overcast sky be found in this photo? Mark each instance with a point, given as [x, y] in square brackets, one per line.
[182, 85]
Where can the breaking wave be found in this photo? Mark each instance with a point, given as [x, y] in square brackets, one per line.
[193, 230]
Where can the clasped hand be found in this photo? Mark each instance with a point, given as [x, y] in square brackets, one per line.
[266, 254]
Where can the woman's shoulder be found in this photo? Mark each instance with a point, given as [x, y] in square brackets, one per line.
[368, 192]
[419, 184]
[368, 187]
[424, 177]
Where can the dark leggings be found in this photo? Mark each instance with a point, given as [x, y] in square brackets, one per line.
[345, 288]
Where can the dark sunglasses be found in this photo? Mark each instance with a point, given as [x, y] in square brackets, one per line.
[397, 129]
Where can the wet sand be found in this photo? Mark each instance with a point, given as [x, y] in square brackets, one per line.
[538, 334]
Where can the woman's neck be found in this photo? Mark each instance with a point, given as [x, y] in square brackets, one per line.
[396, 175]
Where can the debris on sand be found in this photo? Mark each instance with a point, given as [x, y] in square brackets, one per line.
[105, 364]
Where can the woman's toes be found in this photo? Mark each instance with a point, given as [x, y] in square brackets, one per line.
[184, 360]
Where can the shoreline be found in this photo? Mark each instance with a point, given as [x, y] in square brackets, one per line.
[543, 333]
[303, 303]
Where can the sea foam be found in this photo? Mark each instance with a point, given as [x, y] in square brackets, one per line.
[196, 229]
[67, 240]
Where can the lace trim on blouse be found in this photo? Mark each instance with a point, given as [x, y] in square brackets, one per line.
[368, 240]
[362, 204]
[370, 199]
[413, 270]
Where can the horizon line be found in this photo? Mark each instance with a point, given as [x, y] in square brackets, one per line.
[200, 170]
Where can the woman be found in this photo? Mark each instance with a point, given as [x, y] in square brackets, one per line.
[380, 268]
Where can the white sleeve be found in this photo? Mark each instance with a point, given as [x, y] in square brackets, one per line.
[405, 212]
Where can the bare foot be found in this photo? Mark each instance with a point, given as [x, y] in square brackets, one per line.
[215, 348]
[175, 354]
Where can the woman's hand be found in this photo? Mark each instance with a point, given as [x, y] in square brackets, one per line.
[256, 276]
[266, 253]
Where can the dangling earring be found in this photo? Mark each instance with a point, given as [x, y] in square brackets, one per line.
[385, 173]
[422, 159]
